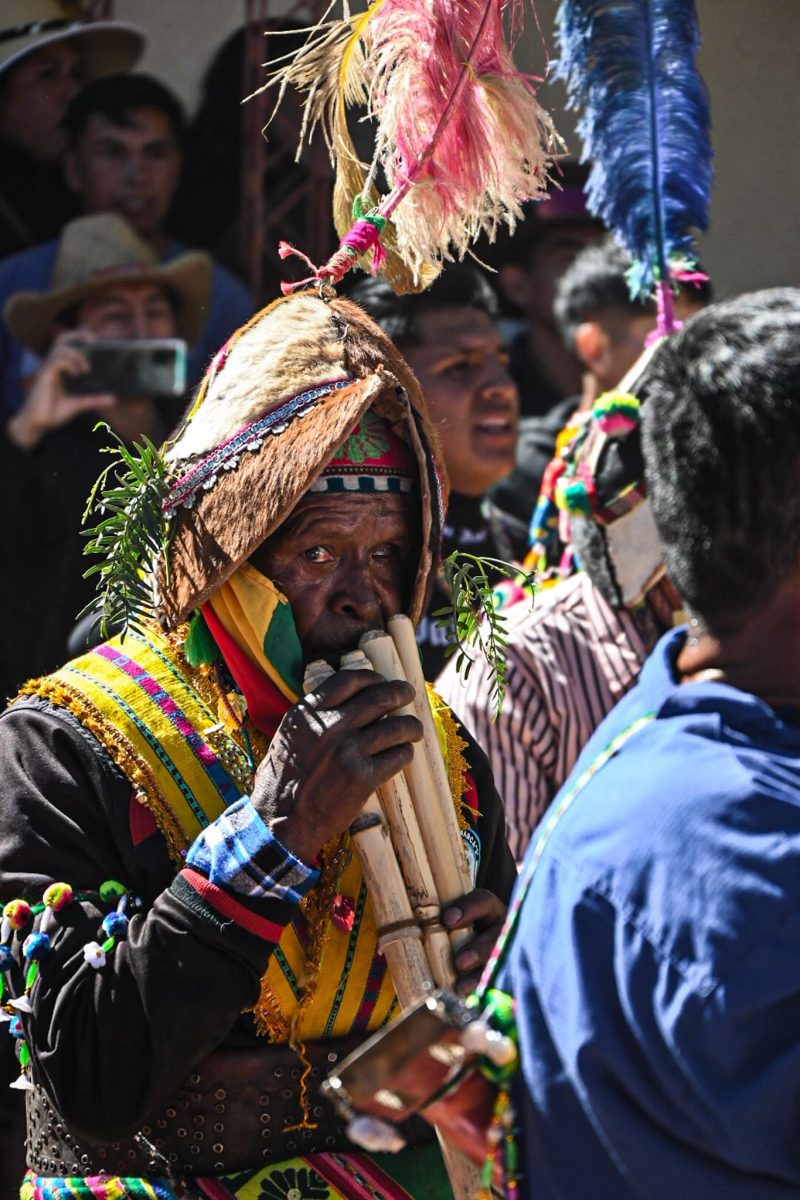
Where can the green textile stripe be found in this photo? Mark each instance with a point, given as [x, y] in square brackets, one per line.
[282, 648]
[288, 973]
[351, 949]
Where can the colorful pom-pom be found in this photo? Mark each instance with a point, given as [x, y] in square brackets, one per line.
[94, 955]
[115, 924]
[36, 946]
[58, 896]
[506, 593]
[17, 913]
[21, 1004]
[575, 496]
[6, 958]
[343, 912]
[111, 891]
[15, 1027]
[616, 413]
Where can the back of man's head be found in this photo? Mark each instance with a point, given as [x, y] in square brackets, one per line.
[118, 98]
[401, 317]
[721, 442]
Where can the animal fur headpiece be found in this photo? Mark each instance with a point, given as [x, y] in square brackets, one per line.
[274, 408]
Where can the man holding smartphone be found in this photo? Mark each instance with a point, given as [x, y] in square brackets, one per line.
[108, 287]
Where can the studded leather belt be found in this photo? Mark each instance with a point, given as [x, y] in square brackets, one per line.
[237, 1110]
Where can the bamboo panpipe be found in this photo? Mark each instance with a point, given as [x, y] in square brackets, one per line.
[402, 634]
[399, 934]
[420, 882]
[441, 848]
[409, 964]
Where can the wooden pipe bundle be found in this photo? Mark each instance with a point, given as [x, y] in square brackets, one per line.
[409, 843]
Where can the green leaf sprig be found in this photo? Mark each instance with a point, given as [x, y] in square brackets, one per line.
[472, 619]
[131, 534]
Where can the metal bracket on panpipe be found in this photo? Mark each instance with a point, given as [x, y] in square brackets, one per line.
[435, 813]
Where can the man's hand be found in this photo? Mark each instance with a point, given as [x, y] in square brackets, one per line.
[486, 913]
[331, 751]
[47, 405]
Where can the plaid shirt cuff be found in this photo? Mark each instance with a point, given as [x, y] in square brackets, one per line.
[227, 850]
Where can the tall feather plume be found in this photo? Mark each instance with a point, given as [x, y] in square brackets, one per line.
[460, 137]
[629, 67]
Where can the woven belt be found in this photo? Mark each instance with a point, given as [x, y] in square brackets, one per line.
[240, 1108]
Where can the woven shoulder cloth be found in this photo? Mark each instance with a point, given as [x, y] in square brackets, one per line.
[157, 718]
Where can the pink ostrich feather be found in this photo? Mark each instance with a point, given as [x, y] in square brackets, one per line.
[459, 133]
[462, 139]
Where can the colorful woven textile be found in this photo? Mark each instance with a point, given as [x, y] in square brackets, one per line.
[409, 1175]
[139, 698]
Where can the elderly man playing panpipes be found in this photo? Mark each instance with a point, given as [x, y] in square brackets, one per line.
[188, 943]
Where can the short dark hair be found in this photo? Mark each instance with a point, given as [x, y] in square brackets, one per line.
[118, 97]
[593, 286]
[458, 286]
[721, 440]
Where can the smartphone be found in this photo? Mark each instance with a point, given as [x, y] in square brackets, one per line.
[135, 367]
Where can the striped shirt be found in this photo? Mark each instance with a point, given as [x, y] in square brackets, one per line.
[570, 659]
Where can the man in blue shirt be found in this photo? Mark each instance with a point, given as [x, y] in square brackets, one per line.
[124, 136]
[655, 960]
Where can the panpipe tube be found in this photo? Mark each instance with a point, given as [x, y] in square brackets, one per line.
[411, 851]
[400, 938]
[436, 832]
[401, 630]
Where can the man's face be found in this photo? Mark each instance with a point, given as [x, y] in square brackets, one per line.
[137, 310]
[461, 364]
[346, 564]
[33, 98]
[533, 287]
[129, 169]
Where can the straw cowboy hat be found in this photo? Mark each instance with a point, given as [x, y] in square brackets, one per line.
[106, 47]
[93, 253]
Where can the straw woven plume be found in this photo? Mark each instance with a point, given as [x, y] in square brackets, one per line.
[460, 137]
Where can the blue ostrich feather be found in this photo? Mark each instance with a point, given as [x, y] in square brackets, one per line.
[629, 67]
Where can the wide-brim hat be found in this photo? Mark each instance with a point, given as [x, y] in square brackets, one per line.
[273, 411]
[106, 47]
[95, 252]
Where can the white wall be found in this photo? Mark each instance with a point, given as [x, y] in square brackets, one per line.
[749, 60]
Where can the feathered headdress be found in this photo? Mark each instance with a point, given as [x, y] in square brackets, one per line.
[629, 67]
[460, 138]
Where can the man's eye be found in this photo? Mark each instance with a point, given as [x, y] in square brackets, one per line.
[388, 551]
[318, 554]
[460, 367]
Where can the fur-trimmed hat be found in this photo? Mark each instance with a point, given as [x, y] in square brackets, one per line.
[275, 406]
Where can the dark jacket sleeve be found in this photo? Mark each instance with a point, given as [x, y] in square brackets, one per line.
[497, 870]
[110, 1044]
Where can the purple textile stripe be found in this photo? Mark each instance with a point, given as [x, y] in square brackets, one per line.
[202, 751]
